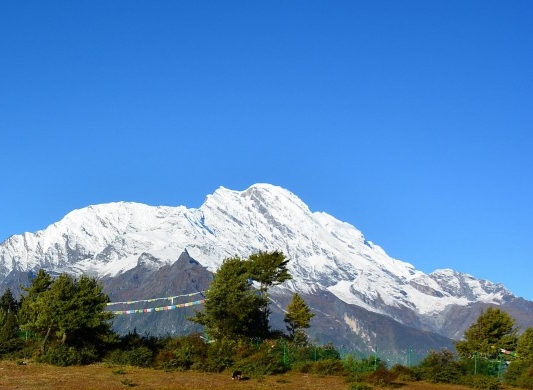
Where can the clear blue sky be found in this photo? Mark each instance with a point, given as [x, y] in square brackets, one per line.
[411, 120]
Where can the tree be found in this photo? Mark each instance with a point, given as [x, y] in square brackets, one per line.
[493, 330]
[233, 308]
[9, 326]
[67, 309]
[268, 269]
[440, 367]
[297, 318]
[28, 303]
[8, 316]
[8, 302]
[524, 346]
[519, 373]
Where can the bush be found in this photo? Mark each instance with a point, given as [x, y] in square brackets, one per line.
[61, 355]
[327, 352]
[369, 364]
[297, 354]
[10, 346]
[263, 362]
[140, 356]
[304, 367]
[328, 367]
[520, 372]
[220, 356]
[440, 367]
[182, 353]
[381, 378]
[525, 380]
[404, 373]
[482, 382]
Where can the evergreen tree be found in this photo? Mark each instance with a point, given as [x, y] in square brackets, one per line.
[9, 326]
[8, 303]
[493, 330]
[232, 307]
[268, 269]
[298, 318]
[28, 310]
[67, 309]
[524, 346]
[520, 370]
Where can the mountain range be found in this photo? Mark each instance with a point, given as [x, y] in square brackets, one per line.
[363, 299]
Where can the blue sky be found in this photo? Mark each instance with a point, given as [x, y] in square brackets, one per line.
[411, 120]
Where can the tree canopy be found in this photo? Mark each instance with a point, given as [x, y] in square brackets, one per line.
[233, 308]
[493, 330]
[67, 309]
[524, 345]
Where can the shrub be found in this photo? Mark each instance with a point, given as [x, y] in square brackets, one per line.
[296, 354]
[519, 372]
[440, 367]
[10, 346]
[327, 352]
[381, 378]
[263, 362]
[304, 367]
[364, 365]
[482, 382]
[140, 356]
[525, 380]
[328, 367]
[404, 373]
[182, 353]
[220, 356]
[61, 355]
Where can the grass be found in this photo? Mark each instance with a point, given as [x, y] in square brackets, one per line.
[41, 376]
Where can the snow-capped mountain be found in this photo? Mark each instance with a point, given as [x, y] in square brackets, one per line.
[328, 257]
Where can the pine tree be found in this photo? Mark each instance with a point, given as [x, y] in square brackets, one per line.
[268, 269]
[298, 317]
[232, 307]
[8, 303]
[524, 346]
[67, 309]
[493, 330]
[9, 323]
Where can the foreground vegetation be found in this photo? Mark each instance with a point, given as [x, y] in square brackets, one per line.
[60, 324]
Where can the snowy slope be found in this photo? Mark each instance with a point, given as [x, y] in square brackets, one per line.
[325, 253]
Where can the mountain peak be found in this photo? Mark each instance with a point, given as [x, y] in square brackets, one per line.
[325, 254]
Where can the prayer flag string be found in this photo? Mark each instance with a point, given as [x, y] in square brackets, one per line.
[155, 299]
[162, 308]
